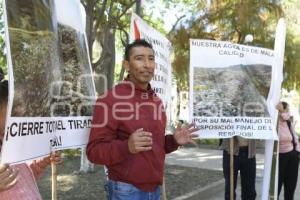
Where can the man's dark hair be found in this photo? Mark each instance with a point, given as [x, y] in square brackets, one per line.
[3, 91]
[136, 43]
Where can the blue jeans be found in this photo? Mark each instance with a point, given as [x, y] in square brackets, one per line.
[117, 190]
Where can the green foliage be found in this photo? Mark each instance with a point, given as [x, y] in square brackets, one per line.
[214, 142]
[292, 59]
[292, 62]
[71, 153]
[106, 20]
[154, 13]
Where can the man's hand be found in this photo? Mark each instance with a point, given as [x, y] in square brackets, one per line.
[8, 177]
[140, 141]
[184, 135]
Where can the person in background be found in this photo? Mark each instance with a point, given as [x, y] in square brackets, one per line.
[128, 131]
[7, 174]
[8, 177]
[289, 149]
[244, 161]
[18, 182]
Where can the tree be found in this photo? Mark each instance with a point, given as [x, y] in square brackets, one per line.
[104, 19]
[292, 60]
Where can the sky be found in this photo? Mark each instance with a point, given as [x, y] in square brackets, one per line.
[170, 16]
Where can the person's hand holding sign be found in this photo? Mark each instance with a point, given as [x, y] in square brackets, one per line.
[8, 177]
[39, 166]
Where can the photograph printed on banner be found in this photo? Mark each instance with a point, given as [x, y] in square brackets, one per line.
[73, 96]
[34, 57]
[51, 88]
[239, 90]
[51, 72]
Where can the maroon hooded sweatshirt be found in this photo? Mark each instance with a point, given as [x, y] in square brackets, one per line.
[118, 114]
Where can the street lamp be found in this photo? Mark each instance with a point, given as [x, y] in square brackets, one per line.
[248, 39]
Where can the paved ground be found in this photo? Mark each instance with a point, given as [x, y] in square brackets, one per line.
[212, 159]
[73, 185]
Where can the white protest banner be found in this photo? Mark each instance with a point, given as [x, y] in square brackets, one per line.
[229, 86]
[269, 190]
[51, 91]
[161, 82]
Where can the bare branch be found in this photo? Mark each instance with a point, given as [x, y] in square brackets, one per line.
[177, 21]
[101, 14]
[110, 10]
[126, 9]
[126, 41]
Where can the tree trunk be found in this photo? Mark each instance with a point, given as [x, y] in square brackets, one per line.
[89, 26]
[178, 102]
[85, 164]
[110, 65]
[105, 66]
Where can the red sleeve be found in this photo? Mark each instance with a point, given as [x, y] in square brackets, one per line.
[103, 147]
[170, 144]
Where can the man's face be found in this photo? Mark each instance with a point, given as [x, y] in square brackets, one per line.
[141, 65]
[2, 121]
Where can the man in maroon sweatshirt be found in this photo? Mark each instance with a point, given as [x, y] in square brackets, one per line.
[128, 132]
